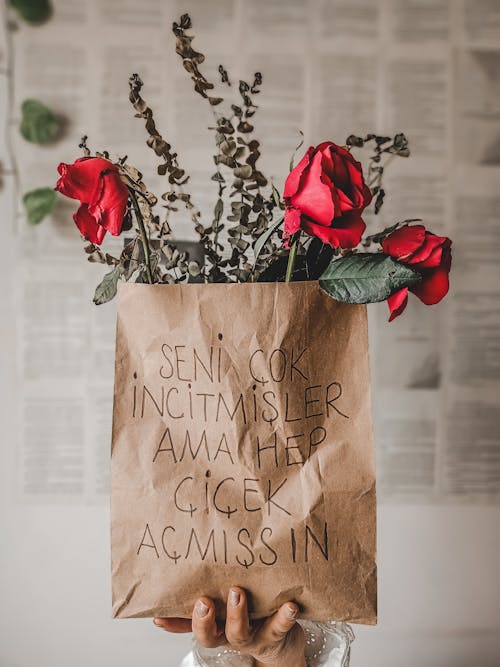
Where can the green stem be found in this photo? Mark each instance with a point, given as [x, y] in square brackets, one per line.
[291, 259]
[144, 237]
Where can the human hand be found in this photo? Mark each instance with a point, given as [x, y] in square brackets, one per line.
[277, 641]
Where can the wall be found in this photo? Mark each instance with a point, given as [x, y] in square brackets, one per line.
[331, 67]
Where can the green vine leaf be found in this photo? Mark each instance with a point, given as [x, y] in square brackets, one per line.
[366, 278]
[33, 12]
[39, 124]
[39, 203]
[107, 288]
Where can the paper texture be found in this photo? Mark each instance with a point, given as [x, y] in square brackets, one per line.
[242, 451]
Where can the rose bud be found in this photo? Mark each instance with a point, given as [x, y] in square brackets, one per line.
[428, 254]
[103, 196]
[325, 195]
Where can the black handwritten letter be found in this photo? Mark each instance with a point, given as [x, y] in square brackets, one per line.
[331, 399]
[175, 556]
[251, 369]
[179, 361]
[209, 371]
[245, 563]
[246, 490]
[191, 509]
[167, 404]
[203, 554]
[168, 438]
[274, 447]
[228, 511]
[166, 373]
[277, 365]
[223, 450]
[293, 366]
[308, 400]
[323, 548]
[147, 531]
[275, 555]
[269, 497]
[316, 437]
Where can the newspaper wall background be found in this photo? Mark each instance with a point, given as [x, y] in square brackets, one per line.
[430, 68]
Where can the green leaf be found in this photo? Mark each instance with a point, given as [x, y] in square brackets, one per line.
[366, 277]
[263, 238]
[33, 11]
[38, 124]
[107, 288]
[39, 203]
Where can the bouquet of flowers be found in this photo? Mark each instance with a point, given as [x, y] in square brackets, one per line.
[313, 230]
[242, 443]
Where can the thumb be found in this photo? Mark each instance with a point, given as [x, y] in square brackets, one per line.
[279, 625]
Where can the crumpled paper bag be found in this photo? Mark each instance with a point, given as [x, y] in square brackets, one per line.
[242, 451]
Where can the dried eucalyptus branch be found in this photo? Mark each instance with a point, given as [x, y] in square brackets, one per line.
[236, 151]
[384, 147]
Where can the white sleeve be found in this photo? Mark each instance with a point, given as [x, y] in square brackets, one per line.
[327, 645]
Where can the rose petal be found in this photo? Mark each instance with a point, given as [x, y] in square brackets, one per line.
[88, 226]
[361, 194]
[341, 176]
[292, 223]
[293, 179]
[327, 158]
[111, 208]
[81, 180]
[346, 232]
[433, 287]
[426, 255]
[431, 262]
[404, 241]
[397, 303]
[446, 258]
[314, 198]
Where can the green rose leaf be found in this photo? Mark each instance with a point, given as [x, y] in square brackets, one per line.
[33, 11]
[366, 277]
[38, 123]
[39, 203]
[107, 288]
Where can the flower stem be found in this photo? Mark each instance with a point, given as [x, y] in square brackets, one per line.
[144, 237]
[291, 259]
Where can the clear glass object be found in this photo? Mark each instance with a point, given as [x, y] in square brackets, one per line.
[327, 645]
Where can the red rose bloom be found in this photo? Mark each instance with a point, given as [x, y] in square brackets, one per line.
[325, 195]
[428, 254]
[96, 183]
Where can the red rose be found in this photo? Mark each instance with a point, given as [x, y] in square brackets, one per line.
[428, 254]
[96, 183]
[325, 195]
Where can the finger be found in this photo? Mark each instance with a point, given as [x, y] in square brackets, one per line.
[238, 631]
[279, 625]
[204, 626]
[174, 624]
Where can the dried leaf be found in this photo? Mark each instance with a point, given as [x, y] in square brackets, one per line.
[107, 288]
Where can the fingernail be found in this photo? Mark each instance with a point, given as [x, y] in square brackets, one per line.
[157, 621]
[234, 598]
[292, 611]
[201, 609]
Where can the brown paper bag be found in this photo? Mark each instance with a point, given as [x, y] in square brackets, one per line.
[242, 451]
